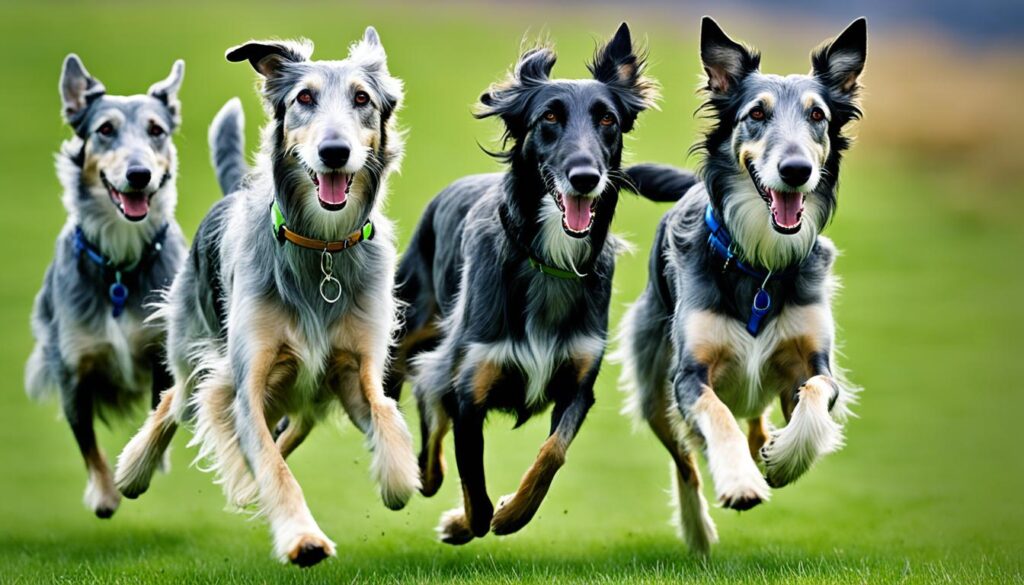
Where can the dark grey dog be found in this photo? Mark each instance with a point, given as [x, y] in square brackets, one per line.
[737, 311]
[119, 247]
[285, 306]
[508, 277]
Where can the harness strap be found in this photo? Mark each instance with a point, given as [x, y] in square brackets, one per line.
[722, 244]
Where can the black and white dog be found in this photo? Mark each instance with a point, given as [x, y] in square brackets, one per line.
[119, 247]
[737, 311]
[507, 280]
[285, 305]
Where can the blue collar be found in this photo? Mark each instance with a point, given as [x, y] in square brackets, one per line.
[722, 244]
[118, 292]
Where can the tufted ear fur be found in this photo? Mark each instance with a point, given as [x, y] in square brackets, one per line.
[726, 62]
[167, 90]
[78, 89]
[509, 98]
[620, 66]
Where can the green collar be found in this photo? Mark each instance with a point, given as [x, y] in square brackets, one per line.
[283, 233]
[534, 262]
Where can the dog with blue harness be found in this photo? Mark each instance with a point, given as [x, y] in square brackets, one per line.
[737, 311]
[119, 247]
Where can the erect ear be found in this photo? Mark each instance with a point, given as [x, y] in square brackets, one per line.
[369, 51]
[167, 90]
[726, 62]
[267, 57]
[620, 66]
[77, 88]
[508, 98]
[839, 63]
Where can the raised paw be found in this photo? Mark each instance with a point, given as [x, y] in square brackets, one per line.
[310, 550]
[509, 517]
[810, 434]
[454, 527]
[743, 489]
[394, 464]
[431, 474]
[101, 497]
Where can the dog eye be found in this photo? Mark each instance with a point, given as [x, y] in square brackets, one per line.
[106, 129]
[305, 97]
[607, 120]
[361, 98]
[817, 114]
[550, 117]
[155, 130]
[757, 114]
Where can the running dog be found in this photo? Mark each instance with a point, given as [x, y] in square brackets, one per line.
[508, 277]
[119, 247]
[737, 311]
[285, 305]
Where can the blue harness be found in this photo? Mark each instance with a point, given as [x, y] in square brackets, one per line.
[118, 292]
[721, 242]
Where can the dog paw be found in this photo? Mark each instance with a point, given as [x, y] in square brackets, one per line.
[811, 433]
[431, 475]
[102, 497]
[742, 489]
[309, 550]
[395, 466]
[508, 517]
[454, 527]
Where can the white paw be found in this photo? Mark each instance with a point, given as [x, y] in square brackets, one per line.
[101, 496]
[810, 434]
[304, 548]
[135, 467]
[741, 487]
[454, 527]
[394, 466]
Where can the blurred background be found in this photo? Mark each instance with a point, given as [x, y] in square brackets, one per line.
[931, 199]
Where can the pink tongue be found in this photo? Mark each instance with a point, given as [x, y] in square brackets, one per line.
[135, 204]
[786, 207]
[577, 212]
[332, 187]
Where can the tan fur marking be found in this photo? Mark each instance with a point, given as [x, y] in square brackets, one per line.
[583, 364]
[484, 378]
[516, 511]
[757, 435]
[791, 362]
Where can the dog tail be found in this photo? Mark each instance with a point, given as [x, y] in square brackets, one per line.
[659, 182]
[227, 146]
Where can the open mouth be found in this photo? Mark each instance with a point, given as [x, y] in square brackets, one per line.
[577, 213]
[133, 205]
[331, 189]
[785, 207]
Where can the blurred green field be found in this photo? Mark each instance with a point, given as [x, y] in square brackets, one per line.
[928, 489]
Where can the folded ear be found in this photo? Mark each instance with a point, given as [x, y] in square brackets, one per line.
[839, 63]
[167, 90]
[619, 65]
[509, 98]
[369, 51]
[267, 57]
[77, 88]
[726, 62]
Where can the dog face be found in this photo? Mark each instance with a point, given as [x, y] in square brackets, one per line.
[127, 156]
[331, 119]
[571, 130]
[773, 155]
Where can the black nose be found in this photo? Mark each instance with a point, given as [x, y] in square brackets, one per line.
[795, 171]
[584, 179]
[138, 176]
[334, 153]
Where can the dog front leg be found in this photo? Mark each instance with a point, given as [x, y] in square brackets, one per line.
[738, 482]
[516, 510]
[810, 432]
[77, 400]
[297, 537]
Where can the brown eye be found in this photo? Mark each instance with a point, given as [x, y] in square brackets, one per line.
[361, 98]
[106, 129]
[757, 114]
[305, 97]
[550, 117]
[817, 115]
[607, 120]
[155, 130]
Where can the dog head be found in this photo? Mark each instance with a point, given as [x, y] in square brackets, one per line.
[333, 134]
[122, 153]
[568, 133]
[773, 153]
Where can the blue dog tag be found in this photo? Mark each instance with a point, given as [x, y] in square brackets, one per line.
[118, 296]
[762, 302]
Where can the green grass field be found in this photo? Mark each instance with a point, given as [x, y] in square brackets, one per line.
[928, 489]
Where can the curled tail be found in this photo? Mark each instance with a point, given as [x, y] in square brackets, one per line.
[659, 182]
[227, 146]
